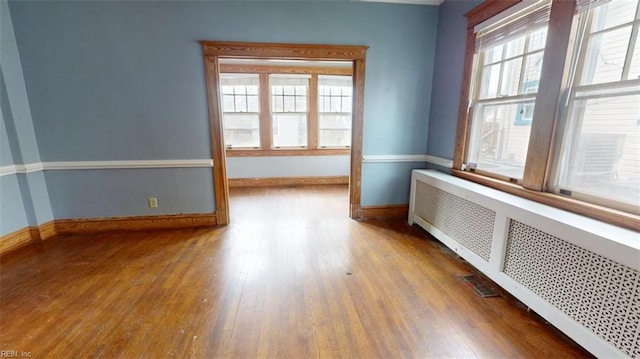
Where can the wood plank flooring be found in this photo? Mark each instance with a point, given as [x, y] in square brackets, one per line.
[291, 277]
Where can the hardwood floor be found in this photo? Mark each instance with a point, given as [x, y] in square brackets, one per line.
[290, 277]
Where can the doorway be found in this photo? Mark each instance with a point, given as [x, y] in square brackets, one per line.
[216, 52]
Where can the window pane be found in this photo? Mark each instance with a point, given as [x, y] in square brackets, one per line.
[301, 104]
[615, 13]
[333, 122]
[278, 104]
[490, 78]
[511, 77]
[252, 104]
[634, 70]
[334, 138]
[335, 104]
[289, 104]
[493, 55]
[241, 130]
[532, 72]
[346, 104]
[537, 40]
[227, 90]
[252, 90]
[605, 56]
[515, 47]
[241, 103]
[602, 157]
[289, 90]
[289, 130]
[228, 103]
[500, 138]
[335, 130]
[240, 89]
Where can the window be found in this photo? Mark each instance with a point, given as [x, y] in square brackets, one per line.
[552, 104]
[241, 110]
[275, 109]
[600, 155]
[289, 110]
[508, 68]
[334, 111]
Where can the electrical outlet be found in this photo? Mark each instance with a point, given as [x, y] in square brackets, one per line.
[153, 202]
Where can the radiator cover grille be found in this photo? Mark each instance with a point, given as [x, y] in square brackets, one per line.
[600, 294]
[453, 216]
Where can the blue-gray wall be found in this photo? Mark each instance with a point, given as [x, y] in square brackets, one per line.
[447, 80]
[24, 199]
[125, 81]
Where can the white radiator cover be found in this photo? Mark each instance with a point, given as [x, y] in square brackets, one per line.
[581, 275]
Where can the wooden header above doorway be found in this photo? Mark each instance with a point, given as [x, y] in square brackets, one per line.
[283, 51]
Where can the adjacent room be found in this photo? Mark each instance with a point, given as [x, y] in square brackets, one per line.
[339, 179]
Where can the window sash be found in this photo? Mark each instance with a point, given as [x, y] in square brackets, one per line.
[582, 153]
[549, 126]
[300, 119]
[496, 146]
[517, 25]
[586, 5]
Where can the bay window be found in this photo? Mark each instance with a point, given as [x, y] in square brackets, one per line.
[286, 110]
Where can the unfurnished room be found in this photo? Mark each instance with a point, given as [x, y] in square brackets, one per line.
[320, 179]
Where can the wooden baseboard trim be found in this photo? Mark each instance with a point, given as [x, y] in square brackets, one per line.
[26, 235]
[286, 181]
[390, 211]
[88, 225]
[47, 230]
[16, 239]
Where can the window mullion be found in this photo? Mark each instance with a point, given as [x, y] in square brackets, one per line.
[523, 67]
[555, 66]
[565, 133]
[582, 55]
[312, 127]
[265, 112]
[461, 157]
[630, 48]
[501, 73]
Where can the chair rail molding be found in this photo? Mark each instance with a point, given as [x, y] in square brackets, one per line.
[96, 165]
[440, 161]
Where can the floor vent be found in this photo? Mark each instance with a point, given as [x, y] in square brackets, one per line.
[482, 289]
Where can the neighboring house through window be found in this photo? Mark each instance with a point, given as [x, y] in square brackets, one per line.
[552, 104]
